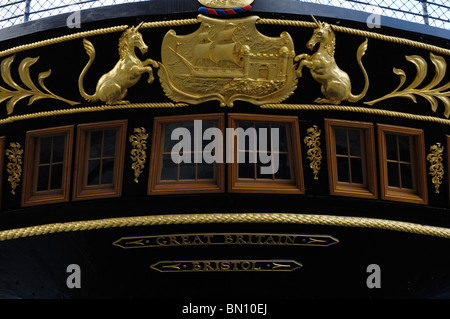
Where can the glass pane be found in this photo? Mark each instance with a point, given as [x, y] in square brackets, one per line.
[340, 136]
[93, 177]
[169, 170]
[248, 136]
[357, 172]
[168, 143]
[404, 148]
[391, 147]
[406, 176]
[342, 169]
[284, 171]
[107, 171]
[355, 142]
[96, 144]
[206, 125]
[109, 143]
[190, 127]
[268, 174]
[393, 178]
[45, 150]
[57, 175]
[58, 148]
[205, 171]
[283, 142]
[187, 171]
[246, 170]
[43, 176]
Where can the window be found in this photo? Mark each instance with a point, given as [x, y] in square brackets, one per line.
[48, 157]
[99, 160]
[351, 157]
[402, 164]
[178, 161]
[265, 154]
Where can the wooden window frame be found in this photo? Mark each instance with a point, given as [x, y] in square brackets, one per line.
[368, 157]
[295, 185]
[418, 163]
[81, 191]
[30, 196]
[158, 187]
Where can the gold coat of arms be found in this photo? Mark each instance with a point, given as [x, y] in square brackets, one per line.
[227, 60]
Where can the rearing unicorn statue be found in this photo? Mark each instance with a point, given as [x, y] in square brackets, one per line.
[112, 86]
[336, 85]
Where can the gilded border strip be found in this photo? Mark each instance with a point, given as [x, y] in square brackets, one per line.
[357, 109]
[238, 218]
[183, 22]
[89, 109]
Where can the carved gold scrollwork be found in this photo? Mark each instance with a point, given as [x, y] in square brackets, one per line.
[14, 167]
[138, 155]
[430, 91]
[314, 152]
[18, 93]
[436, 169]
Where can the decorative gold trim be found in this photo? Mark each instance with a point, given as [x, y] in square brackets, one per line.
[217, 218]
[356, 109]
[184, 22]
[362, 33]
[14, 167]
[19, 93]
[314, 152]
[436, 169]
[206, 239]
[429, 92]
[89, 109]
[138, 155]
[225, 265]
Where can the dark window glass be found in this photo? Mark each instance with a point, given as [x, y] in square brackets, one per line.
[406, 176]
[102, 149]
[391, 147]
[50, 165]
[43, 177]
[349, 156]
[393, 174]
[45, 150]
[404, 148]
[341, 141]
[354, 142]
[342, 169]
[357, 171]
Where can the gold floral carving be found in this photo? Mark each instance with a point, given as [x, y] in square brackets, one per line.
[14, 166]
[18, 93]
[138, 155]
[314, 152]
[227, 60]
[436, 169]
[336, 84]
[430, 91]
[112, 87]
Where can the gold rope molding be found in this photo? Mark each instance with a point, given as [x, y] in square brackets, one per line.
[239, 218]
[357, 109]
[91, 109]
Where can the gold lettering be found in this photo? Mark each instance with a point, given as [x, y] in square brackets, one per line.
[228, 239]
[185, 240]
[259, 238]
[196, 266]
[173, 240]
[208, 239]
[254, 266]
[235, 263]
[225, 265]
[290, 239]
[207, 266]
[240, 239]
[269, 240]
[197, 240]
[161, 241]
[247, 265]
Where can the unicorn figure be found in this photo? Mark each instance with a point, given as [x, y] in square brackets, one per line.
[336, 85]
[112, 86]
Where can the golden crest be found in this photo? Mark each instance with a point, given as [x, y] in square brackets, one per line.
[223, 4]
[227, 60]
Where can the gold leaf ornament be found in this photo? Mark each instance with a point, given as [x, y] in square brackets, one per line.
[436, 169]
[14, 166]
[431, 92]
[138, 155]
[18, 93]
[314, 152]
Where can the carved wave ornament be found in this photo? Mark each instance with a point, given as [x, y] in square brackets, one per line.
[227, 60]
[430, 91]
[18, 93]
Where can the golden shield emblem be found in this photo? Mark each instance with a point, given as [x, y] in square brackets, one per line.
[227, 60]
